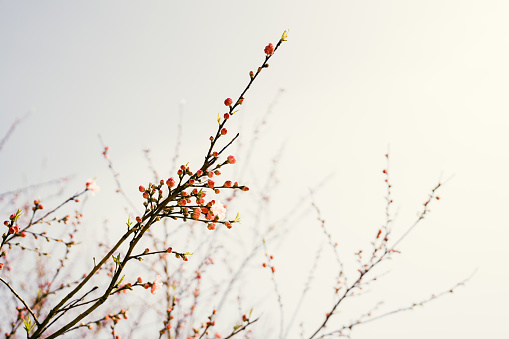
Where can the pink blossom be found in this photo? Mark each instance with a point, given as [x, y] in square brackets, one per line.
[92, 186]
[196, 213]
[219, 210]
[156, 285]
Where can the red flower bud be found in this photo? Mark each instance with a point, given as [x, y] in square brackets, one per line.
[210, 183]
[170, 182]
[269, 49]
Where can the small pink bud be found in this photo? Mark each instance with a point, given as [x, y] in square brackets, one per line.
[139, 280]
[231, 159]
[224, 131]
[210, 183]
[228, 102]
[226, 116]
[169, 250]
[142, 189]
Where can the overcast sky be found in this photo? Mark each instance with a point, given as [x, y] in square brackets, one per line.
[427, 80]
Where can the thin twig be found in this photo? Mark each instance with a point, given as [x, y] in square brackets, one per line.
[20, 299]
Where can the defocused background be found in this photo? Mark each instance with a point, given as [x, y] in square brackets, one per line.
[425, 80]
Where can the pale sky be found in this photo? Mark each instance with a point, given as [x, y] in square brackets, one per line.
[426, 79]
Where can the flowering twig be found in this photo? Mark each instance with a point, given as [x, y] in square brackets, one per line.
[20, 299]
[156, 207]
[115, 175]
[371, 318]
